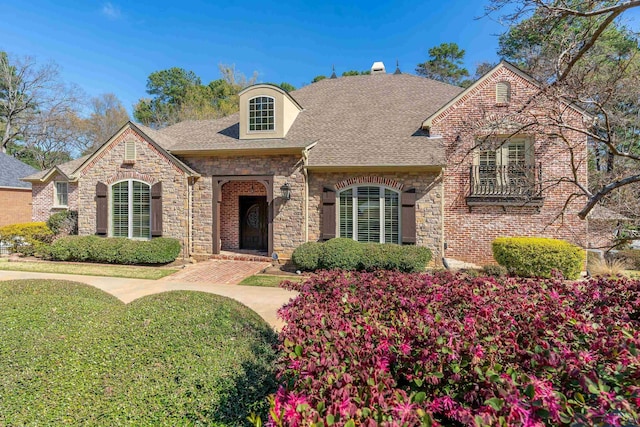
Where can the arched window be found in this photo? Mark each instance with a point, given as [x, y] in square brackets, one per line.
[131, 210]
[261, 113]
[503, 92]
[369, 214]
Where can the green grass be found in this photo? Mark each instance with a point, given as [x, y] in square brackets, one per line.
[74, 355]
[268, 280]
[131, 272]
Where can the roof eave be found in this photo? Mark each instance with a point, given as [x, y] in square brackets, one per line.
[377, 168]
[242, 151]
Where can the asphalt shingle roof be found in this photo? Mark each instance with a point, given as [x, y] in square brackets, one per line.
[11, 170]
[371, 120]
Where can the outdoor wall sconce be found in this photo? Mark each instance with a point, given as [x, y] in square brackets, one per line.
[286, 191]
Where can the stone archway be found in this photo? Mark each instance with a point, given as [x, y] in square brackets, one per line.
[227, 191]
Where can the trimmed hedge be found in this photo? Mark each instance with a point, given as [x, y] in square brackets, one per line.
[27, 238]
[341, 253]
[538, 256]
[347, 254]
[115, 250]
[63, 223]
[307, 256]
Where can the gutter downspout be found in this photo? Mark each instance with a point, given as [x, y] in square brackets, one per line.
[305, 173]
[190, 183]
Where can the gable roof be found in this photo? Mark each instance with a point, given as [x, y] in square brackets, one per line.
[71, 168]
[370, 120]
[502, 64]
[12, 170]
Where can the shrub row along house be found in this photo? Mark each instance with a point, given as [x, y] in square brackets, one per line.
[377, 158]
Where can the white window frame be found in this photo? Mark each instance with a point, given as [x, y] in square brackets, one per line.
[129, 208]
[502, 178]
[249, 130]
[354, 211]
[56, 194]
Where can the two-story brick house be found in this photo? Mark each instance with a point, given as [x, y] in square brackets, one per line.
[377, 158]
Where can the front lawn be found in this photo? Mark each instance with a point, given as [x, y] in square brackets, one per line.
[71, 354]
[87, 269]
[268, 280]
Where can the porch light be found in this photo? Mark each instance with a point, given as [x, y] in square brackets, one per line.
[286, 191]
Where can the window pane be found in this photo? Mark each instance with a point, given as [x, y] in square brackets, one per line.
[391, 214]
[261, 113]
[120, 209]
[61, 194]
[368, 214]
[141, 205]
[346, 214]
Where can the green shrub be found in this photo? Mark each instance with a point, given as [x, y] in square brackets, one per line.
[115, 250]
[387, 256]
[538, 257]
[341, 253]
[347, 254]
[27, 238]
[63, 223]
[307, 256]
[494, 270]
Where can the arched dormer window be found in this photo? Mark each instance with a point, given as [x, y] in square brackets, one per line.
[261, 114]
[131, 210]
[369, 214]
[503, 92]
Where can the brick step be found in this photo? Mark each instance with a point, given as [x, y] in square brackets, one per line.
[235, 256]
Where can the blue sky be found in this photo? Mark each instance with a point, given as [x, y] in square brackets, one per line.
[112, 46]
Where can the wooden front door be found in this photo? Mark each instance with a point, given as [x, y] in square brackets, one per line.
[253, 223]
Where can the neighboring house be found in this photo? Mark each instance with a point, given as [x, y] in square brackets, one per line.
[377, 158]
[15, 195]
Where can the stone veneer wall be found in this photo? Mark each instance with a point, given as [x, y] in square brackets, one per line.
[42, 204]
[288, 224]
[230, 210]
[428, 187]
[15, 206]
[469, 233]
[150, 167]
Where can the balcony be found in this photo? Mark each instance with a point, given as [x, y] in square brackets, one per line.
[505, 185]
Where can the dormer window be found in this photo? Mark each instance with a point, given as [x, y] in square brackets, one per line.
[503, 92]
[261, 114]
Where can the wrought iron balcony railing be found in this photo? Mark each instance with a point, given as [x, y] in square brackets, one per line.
[505, 184]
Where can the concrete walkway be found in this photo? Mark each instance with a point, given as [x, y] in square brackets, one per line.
[264, 301]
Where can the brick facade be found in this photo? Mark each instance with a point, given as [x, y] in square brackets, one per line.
[43, 198]
[469, 231]
[15, 206]
[230, 209]
[150, 167]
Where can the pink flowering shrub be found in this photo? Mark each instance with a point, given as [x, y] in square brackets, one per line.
[388, 348]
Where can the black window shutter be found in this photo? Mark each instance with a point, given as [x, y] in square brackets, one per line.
[328, 214]
[156, 210]
[102, 209]
[409, 217]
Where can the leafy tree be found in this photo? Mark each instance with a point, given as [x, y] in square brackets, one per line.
[444, 64]
[481, 69]
[287, 86]
[581, 52]
[356, 73]
[318, 78]
[180, 95]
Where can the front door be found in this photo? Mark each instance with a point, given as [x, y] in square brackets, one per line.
[253, 222]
